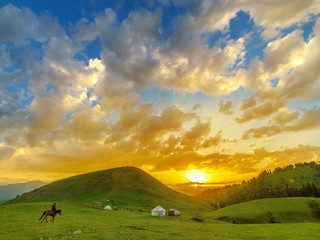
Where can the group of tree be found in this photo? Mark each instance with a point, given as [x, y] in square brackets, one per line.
[299, 180]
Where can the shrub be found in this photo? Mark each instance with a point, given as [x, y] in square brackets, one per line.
[314, 207]
[272, 217]
[231, 219]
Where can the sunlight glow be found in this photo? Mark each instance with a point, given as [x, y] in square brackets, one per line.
[197, 176]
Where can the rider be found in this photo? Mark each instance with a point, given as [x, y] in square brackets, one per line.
[53, 209]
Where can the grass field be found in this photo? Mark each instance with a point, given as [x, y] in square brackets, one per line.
[20, 221]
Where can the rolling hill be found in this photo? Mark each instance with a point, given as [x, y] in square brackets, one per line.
[289, 210]
[125, 186]
[10, 191]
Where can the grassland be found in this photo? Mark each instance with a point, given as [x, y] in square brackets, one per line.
[131, 188]
[21, 222]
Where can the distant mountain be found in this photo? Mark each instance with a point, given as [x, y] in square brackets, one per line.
[299, 180]
[10, 191]
[125, 187]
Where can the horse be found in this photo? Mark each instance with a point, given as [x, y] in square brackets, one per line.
[50, 213]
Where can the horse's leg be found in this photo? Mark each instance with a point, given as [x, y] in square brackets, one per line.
[43, 219]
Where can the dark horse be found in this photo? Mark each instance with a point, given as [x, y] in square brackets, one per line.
[50, 213]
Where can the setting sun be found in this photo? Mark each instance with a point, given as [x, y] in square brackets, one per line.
[197, 176]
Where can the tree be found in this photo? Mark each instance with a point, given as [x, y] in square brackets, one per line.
[314, 207]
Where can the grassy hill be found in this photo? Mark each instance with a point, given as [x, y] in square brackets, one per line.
[289, 210]
[302, 180]
[10, 191]
[21, 222]
[127, 186]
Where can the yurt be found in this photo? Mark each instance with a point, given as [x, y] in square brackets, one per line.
[107, 207]
[173, 212]
[158, 211]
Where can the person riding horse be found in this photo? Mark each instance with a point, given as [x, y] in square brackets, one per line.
[53, 209]
[51, 213]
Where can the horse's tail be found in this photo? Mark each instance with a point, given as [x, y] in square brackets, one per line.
[43, 214]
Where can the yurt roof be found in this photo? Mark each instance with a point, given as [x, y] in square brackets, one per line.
[158, 208]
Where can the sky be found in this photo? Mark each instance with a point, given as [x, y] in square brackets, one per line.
[187, 90]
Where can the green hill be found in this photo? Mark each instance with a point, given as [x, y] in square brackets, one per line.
[301, 180]
[289, 210]
[10, 191]
[125, 186]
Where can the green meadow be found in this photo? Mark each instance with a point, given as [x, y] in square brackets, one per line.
[20, 221]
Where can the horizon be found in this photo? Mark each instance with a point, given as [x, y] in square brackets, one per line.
[201, 91]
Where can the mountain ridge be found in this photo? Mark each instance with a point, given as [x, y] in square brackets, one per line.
[10, 191]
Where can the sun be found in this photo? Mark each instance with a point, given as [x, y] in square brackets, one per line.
[197, 176]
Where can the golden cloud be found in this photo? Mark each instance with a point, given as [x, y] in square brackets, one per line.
[286, 122]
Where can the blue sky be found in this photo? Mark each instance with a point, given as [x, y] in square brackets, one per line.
[162, 85]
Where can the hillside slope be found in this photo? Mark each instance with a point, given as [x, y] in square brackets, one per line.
[127, 186]
[10, 191]
[267, 210]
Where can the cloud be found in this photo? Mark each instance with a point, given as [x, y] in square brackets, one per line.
[226, 108]
[86, 126]
[284, 117]
[95, 111]
[260, 111]
[171, 119]
[19, 25]
[284, 53]
[197, 68]
[129, 122]
[214, 141]
[192, 139]
[196, 106]
[215, 15]
[6, 152]
[293, 62]
[129, 49]
[286, 122]
[137, 50]
[246, 103]
[240, 163]
[14, 24]
[5, 60]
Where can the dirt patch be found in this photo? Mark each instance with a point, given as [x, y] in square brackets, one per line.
[137, 228]
[141, 228]
[82, 205]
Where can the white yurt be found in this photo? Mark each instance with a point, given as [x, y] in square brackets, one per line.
[107, 207]
[158, 211]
